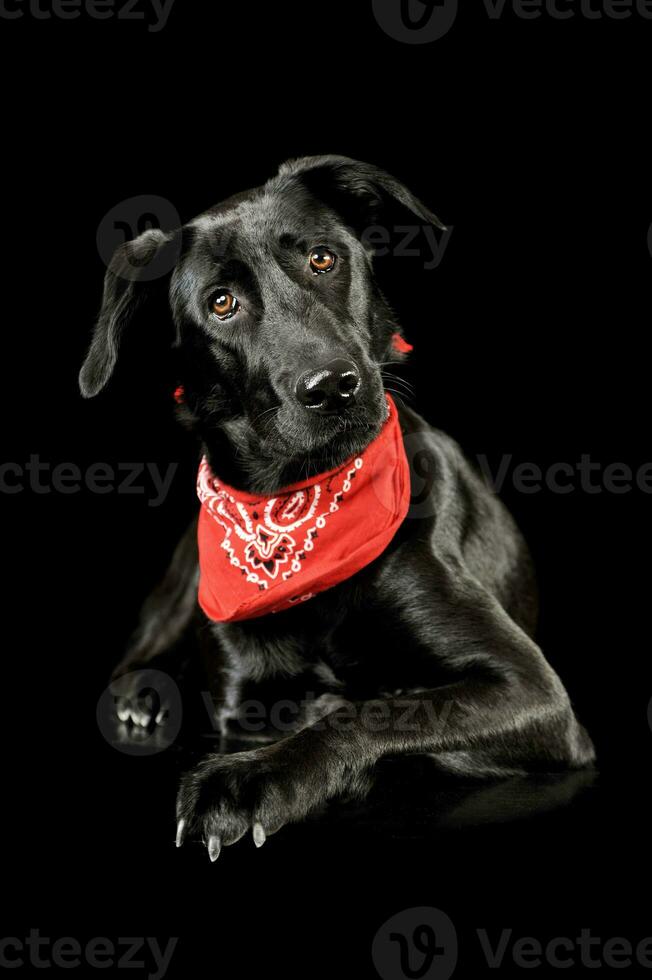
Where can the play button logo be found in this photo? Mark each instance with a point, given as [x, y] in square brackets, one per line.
[416, 944]
[415, 21]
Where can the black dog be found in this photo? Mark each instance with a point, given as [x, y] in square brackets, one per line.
[429, 648]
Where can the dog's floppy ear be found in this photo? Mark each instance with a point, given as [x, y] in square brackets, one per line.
[137, 269]
[363, 194]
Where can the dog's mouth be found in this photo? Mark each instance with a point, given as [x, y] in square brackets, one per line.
[325, 439]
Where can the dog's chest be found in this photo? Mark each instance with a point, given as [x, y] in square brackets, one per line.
[280, 673]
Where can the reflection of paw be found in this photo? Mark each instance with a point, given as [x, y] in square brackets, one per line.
[141, 700]
[142, 709]
[260, 790]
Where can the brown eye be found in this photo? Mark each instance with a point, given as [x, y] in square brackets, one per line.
[224, 304]
[322, 260]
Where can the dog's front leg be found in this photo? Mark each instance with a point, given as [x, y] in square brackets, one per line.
[156, 651]
[226, 796]
[507, 711]
[487, 724]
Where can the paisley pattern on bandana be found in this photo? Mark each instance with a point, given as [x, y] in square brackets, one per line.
[317, 533]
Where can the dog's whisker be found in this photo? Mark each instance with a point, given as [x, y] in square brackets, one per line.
[397, 379]
[405, 391]
[275, 409]
[388, 374]
[398, 394]
[269, 422]
[393, 389]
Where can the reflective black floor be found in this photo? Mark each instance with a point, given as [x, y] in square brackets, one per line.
[542, 857]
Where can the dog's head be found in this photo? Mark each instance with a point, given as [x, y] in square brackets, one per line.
[282, 328]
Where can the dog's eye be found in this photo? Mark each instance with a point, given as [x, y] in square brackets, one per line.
[322, 260]
[224, 304]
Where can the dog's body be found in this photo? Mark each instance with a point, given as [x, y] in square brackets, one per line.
[429, 649]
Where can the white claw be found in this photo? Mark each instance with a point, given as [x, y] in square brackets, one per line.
[123, 713]
[214, 848]
[259, 834]
[180, 829]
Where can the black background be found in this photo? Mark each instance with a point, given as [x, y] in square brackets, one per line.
[529, 138]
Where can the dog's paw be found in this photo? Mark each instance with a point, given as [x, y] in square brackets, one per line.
[141, 713]
[143, 699]
[260, 791]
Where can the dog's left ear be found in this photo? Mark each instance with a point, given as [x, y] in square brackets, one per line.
[137, 270]
[363, 194]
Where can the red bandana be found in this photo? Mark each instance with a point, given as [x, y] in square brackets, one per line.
[260, 555]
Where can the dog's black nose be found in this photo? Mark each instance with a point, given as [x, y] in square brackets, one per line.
[329, 389]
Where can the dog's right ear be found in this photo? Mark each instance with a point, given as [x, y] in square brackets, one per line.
[136, 270]
[364, 195]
